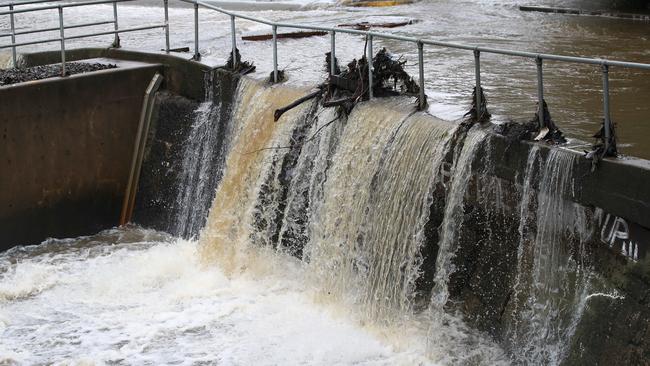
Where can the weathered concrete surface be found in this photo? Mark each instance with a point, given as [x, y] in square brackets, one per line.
[182, 76]
[66, 152]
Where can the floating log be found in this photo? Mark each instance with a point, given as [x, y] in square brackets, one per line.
[375, 3]
[294, 35]
[600, 13]
[367, 25]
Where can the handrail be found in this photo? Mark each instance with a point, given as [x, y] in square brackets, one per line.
[83, 25]
[29, 2]
[370, 35]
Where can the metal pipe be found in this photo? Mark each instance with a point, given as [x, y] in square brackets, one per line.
[138, 148]
[423, 102]
[234, 42]
[332, 53]
[14, 56]
[197, 54]
[369, 60]
[540, 93]
[62, 31]
[275, 54]
[477, 68]
[608, 121]
[116, 41]
[66, 5]
[136, 29]
[166, 5]
[57, 28]
[41, 41]
[127, 30]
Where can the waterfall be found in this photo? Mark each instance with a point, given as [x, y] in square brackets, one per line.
[204, 152]
[256, 143]
[349, 198]
[369, 227]
[453, 216]
[552, 283]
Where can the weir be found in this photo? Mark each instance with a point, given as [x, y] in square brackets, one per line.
[404, 217]
[492, 250]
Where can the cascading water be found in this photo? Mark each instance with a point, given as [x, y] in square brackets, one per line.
[552, 283]
[369, 226]
[203, 158]
[453, 218]
[351, 196]
[322, 208]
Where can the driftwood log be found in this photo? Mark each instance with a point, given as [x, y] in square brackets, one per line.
[295, 35]
[368, 25]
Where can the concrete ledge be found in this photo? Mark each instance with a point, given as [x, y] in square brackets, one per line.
[182, 76]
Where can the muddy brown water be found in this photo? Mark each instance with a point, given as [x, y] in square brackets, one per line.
[573, 91]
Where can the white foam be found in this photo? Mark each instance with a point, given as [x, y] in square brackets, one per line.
[157, 303]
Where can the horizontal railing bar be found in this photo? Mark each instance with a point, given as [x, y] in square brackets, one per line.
[30, 43]
[117, 31]
[531, 55]
[66, 5]
[29, 2]
[57, 28]
[83, 36]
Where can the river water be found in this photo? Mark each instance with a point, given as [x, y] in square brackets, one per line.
[134, 296]
[573, 92]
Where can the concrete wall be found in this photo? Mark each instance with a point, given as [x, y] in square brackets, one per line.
[65, 152]
[182, 76]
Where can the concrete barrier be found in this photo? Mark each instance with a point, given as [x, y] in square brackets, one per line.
[65, 152]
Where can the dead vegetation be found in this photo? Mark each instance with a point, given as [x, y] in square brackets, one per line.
[350, 85]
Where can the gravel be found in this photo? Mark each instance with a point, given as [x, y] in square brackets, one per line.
[19, 75]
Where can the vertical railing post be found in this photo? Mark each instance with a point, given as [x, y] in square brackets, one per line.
[369, 60]
[423, 101]
[275, 53]
[234, 42]
[608, 121]
[61, 31]
[197, 54]
[477, 68]
[540, 93]
[14, 57]
[166, 5]
[116, 40]
[333, 53]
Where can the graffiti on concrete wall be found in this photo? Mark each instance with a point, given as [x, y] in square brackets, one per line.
[615, 232]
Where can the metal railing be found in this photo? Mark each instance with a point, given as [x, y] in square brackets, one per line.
[370, 36]
[61, 28]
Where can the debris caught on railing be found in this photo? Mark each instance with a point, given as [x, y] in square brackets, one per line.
[368, 25]
[350, 85]
[474, 115]
[242, 68]
[548, 131]
[603, 148]
[292, 35]
[281, 77]
[280, 111]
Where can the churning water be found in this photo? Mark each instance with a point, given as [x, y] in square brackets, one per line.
[132, 296]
